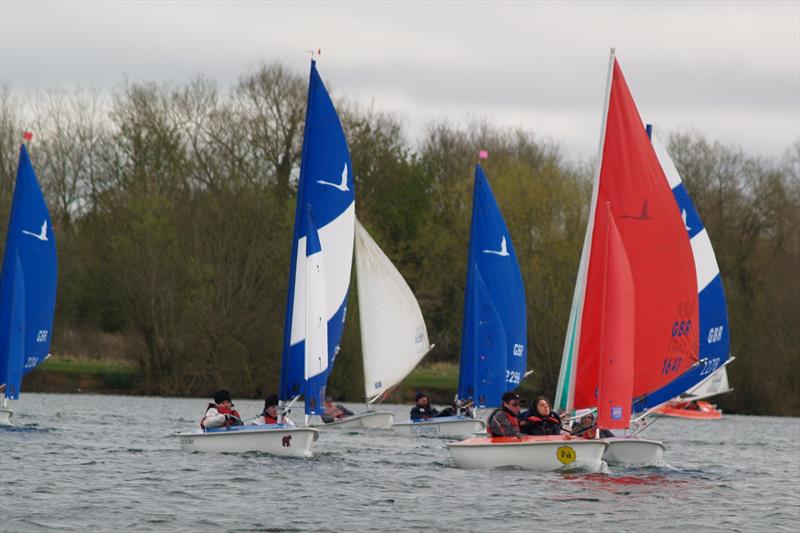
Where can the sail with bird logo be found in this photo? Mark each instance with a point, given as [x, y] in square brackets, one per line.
[494, 331]
[28, 281]
[324, 221]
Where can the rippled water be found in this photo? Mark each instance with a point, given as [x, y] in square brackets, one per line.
[102, 463]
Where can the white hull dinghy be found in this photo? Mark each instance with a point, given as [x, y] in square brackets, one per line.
[275, 439]
[450, 426]
[540, 453]
[633, 451]
[368, 420]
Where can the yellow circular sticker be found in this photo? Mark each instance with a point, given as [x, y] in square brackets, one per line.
[566, 454]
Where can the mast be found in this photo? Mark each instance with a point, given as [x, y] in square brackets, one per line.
[566, 378]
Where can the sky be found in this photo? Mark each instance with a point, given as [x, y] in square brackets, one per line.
[727, 70]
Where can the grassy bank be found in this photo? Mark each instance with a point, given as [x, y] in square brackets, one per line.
[439, 381]
[114, 376]
[69, 374]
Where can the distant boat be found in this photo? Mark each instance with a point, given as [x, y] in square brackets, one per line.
[494, 326]
[672, 318]
[494, 350]
[27, 285]
[394, 338]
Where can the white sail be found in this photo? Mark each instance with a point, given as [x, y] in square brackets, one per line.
[393, 334]
[715, 384]
[316, 321]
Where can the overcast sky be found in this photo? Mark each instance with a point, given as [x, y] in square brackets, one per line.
[730, 70]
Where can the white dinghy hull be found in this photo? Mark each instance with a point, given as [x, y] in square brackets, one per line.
[633, 451]
[272, 439]
[543, 454]
[5, 416]
[369, 420]
[441, 427]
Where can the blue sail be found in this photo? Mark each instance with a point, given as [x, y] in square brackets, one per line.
[27, 282]
[325, 188]
[494, 331]
[714, 347]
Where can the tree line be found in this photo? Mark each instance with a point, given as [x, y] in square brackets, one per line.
[173, 209]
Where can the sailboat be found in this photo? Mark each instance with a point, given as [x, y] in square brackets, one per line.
[319, 279]
[715, 346]
[493, 334]
[494, 353]
[27, 285]
[669, 271]
[394, 338]
[494, 325]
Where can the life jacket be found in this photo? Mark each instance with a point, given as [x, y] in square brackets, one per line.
[589, 433]
[268, 419]
[221, 410]
[511, 418]
[549, 418]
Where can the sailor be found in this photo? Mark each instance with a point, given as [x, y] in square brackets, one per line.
[587, 429]
[540, 419]
[503, 422]
[221, 413]
[270, 413]
[423, 410]
[333, 411]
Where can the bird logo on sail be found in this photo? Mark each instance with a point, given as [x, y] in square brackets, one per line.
[643, 215]
[685, 225]
[503, 251]
[340, 186]
[42, 236]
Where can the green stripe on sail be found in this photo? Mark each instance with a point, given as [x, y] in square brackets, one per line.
[568, 370]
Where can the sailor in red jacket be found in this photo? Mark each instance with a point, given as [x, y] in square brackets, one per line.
[221, 413]
[503, 422]
[270, 413]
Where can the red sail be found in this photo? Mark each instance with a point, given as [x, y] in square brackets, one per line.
[617, 331]
[659, 251]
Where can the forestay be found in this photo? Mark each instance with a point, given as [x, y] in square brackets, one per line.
[325, 190]
[393, 334]
[28, 281]
[494, 331]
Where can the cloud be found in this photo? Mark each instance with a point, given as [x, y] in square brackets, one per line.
[731, 70]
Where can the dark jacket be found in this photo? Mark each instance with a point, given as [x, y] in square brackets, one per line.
[532, 423]
[422, 413]
[502, 423]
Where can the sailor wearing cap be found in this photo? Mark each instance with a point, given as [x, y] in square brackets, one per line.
[221, 412]
[503, 422]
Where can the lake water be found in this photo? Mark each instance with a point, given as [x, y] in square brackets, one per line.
[104, 463]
